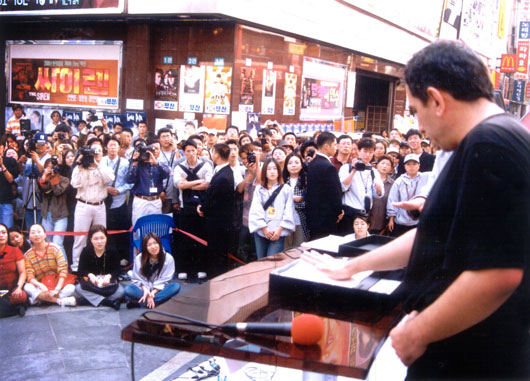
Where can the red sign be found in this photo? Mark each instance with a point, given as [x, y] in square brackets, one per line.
[89, 83]
[522, 57]
[508, 63]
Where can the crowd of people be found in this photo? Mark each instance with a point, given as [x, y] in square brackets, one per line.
[251, 196]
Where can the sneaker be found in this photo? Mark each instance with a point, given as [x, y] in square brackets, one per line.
[201, 275]
[67, 302]
[183, 276]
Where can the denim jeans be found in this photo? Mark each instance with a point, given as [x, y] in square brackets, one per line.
[6, 214]
[28, 218]
[169, 291]
[58, 225]
[265, 247]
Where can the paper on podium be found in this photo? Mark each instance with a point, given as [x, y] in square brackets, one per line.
[330, 243]
[305, 271]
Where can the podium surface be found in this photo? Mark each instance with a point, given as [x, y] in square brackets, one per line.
[348, 347]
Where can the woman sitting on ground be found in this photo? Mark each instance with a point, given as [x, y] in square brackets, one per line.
[12, 278]
[153, 272]
[98, 271]
[17, 239]
[47, 271]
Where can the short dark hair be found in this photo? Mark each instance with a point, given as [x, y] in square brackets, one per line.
[152, 140]
[412, 132]
[62, 127]
[223, 150]
[367, 134]
[324, 138]
[127, 129]
[163, 130]
[288, 133]
[344, 136]
[94, 140]
[265, 131]
[366, 143]
[111, 139]
[264, 180]
[246, 148]
[232, 141]
[197, 136]
[188, 142]
[449, 66]
[232, 126]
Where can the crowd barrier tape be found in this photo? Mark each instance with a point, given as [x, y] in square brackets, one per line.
[111, 232]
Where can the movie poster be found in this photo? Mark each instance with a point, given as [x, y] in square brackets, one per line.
[268, 94]
[191, 93]
[289, 94]
[86, 82]
[218, 89]
[246, 102]
[253, 124]
[165, 85]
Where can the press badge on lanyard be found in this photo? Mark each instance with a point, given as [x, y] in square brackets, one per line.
[152, 188]
[271, 211]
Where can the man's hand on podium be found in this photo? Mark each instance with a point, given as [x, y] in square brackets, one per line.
[408, 344]
[335, 268]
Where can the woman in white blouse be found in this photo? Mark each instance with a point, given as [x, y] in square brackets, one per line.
[152, 275]
[271, 216]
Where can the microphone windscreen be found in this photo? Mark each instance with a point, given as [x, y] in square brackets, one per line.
[307, 329]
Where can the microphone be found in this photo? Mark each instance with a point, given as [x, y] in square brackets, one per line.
[305, 329]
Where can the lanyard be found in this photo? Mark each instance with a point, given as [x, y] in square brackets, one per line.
[413, 191]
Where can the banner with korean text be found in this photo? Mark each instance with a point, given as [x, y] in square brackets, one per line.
[64, 74]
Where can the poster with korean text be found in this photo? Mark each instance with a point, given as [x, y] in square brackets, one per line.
[289, 94]
[165, 86]
[218, 89]
[47, 73]
[191, 93]
[268, 94]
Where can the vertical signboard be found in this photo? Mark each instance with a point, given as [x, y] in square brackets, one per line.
[289, 94]
[268, 93]
[218, 89]
[521, 65]
[191, 93]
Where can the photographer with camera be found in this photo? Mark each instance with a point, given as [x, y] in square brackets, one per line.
[90, 177]
[37, 148]
[54, 206]
[170, 156]
[360, 183]
[8, 174]
[148, 175]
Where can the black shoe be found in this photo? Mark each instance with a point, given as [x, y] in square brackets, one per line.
[133, 305]
[21, 310]
[116, 303]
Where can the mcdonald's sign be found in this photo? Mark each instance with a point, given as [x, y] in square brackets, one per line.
[508, 63]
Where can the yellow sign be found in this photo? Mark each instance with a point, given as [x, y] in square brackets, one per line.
[502, 19]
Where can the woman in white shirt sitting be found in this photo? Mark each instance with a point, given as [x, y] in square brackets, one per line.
[271, 216]
[152, 275]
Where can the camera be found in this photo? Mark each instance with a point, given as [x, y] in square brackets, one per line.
[92, 117]
[144, 152]
[88, 156]
[55, 163]
[61, 136]
[251, 157]
[310, 152]
[25, 126]
[361, 166]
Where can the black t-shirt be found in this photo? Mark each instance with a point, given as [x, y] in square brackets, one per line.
[477, 217]
[6, 190]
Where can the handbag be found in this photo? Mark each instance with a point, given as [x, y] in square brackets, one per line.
[107, 290]
[51, 280]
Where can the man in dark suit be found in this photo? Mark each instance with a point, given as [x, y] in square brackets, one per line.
[218, 209]
[324, 193]
[414, 138]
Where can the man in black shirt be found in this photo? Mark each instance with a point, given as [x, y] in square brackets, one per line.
[8, 174]
[413, 138]
[467, 285]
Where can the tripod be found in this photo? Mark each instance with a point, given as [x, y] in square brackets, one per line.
[32, 177]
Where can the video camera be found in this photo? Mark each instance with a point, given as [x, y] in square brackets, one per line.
[143, 149]
[87, 156]
[361, 166]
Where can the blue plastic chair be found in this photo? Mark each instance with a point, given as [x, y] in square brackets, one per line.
[160, 224]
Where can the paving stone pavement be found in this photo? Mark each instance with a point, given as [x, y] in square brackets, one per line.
[81, 343]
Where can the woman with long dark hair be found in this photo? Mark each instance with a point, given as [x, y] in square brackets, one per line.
[152, 276]
[98, 271]
[295, 174]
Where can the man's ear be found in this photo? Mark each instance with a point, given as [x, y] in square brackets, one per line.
[438, 99]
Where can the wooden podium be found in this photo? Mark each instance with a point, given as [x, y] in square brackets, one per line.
[350, 343]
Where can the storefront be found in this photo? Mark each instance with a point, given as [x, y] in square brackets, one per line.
[215, 67]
